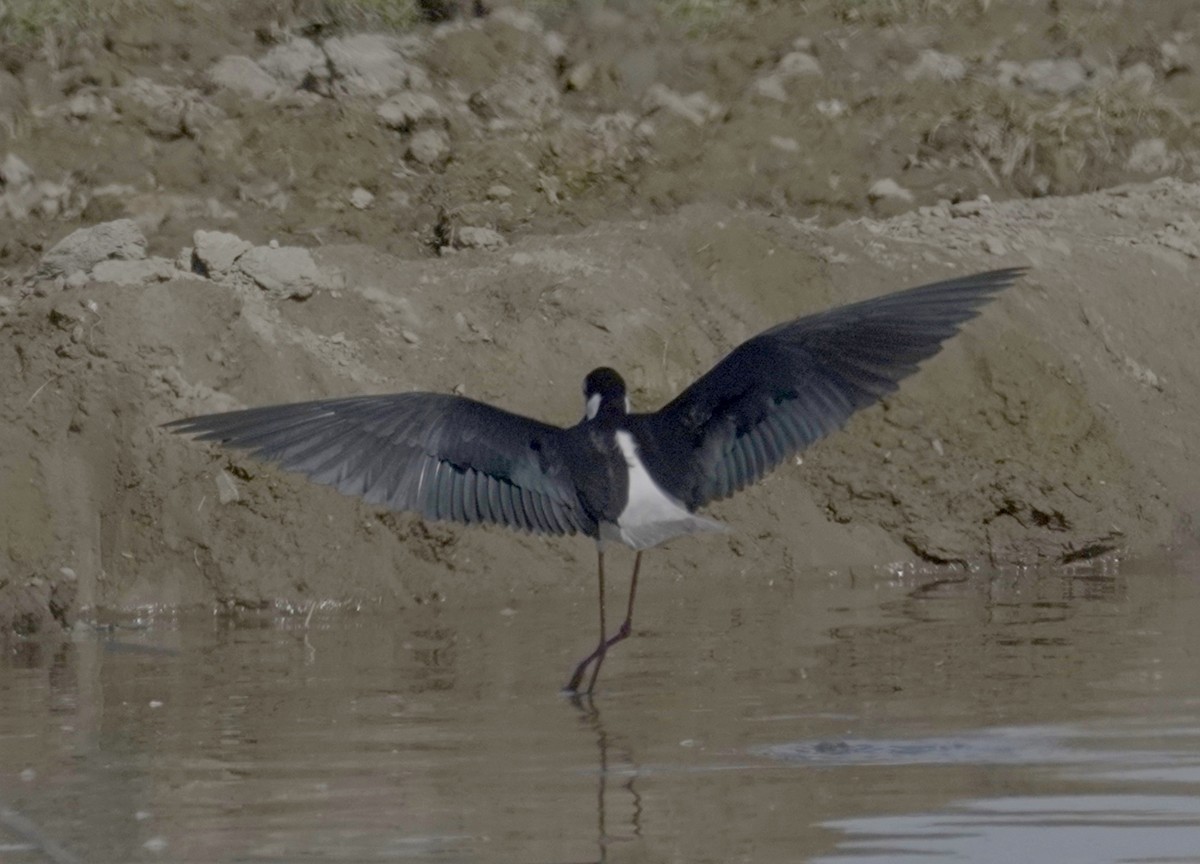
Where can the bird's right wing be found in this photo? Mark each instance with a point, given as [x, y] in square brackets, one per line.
[443, 456]
[780, 391]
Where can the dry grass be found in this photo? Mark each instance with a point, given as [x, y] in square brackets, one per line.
[26, 22]
[1045, 145]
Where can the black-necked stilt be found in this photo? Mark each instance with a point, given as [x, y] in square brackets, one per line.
[615, 475]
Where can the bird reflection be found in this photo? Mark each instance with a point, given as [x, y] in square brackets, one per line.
[626, 771]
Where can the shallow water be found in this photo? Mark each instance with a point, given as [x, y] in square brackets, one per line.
[1036, 716]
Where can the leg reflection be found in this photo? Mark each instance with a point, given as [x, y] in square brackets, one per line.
[616, 764]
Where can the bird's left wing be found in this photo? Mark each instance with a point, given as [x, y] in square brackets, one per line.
[782, 390]
[445, 457]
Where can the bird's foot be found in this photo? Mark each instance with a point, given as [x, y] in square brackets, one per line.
[597, 657]
[581, 669]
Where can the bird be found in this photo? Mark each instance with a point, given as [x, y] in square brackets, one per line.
[616, 476]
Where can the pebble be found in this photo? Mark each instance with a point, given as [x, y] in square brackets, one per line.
[1150, 156]
[429, 147]
[798, 63]
[889, 190]
[285, 273]
[15, 173]
[831, 107]
[405, 111]
[370, 64]
[293, 62]
[580, 76]
[361, 198]
[936, 66]
[83, 248]
[1139, 77]
[1057, 76]
[697, 108]
[133, 272]
[243, 76]
[471, 237]
[227, 490]
[216, 251]
[970, 208]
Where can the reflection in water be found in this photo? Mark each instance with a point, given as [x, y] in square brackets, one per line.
[626, 777]
[795, 717]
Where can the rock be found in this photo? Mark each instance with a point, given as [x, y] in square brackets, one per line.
[216, 252]
[15, 173]
[87, 247]
[1150, 156]
[12, 101]
[284, 272]
[499, 192]
[787, 145]
[796, 64]
[771, 87]
[994, 245]
[53, 199]
[888, 189]
[1058, 77]
[697, 108]
[243, 76]
[405, 111]
[295, 64]
[1139, 77]
[555, 45]
[370, 64]
[470, 237]
[134, 272]
[831, 107]
[973, 207]
[934, 65]
[527, 94]
[580, 76]
[360, 198]
[171, 111]
[1177, 57]
[83, 106]
[227, 490]
[429, 147]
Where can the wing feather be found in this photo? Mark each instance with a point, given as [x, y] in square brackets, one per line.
[791, 385]
[442, 456]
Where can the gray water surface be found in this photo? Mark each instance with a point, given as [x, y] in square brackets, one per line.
[1033, 716]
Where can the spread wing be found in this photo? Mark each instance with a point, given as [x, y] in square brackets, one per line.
[780, 391]
[442, 456]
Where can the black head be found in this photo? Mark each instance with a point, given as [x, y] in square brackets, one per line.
[604, 391]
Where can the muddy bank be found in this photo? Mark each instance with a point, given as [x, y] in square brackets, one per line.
[1057, 428]
[274, 205]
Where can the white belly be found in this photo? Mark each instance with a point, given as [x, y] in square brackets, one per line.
[651, 516]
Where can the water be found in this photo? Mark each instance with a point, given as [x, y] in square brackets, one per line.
[1036, 716]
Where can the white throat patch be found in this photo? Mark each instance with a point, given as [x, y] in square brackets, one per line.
[592, 406]
[651, 516]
